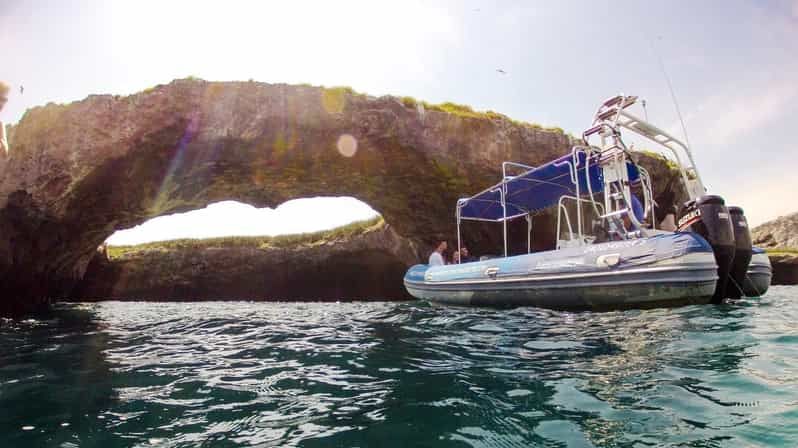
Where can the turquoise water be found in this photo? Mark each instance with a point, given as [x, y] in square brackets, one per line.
[400, 374]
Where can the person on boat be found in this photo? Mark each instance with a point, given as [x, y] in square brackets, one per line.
[4, 89]
[456, 257]
[669, 222]
[465, 256]
[436, 257]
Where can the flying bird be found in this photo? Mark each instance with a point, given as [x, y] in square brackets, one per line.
[21, 90]
[501, 71]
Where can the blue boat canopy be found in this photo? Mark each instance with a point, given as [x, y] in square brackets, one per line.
[538, 188]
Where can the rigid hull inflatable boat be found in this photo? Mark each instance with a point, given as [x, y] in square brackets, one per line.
[661, 270]
[608, 252]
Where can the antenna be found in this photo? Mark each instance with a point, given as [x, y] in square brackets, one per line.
[670, 88]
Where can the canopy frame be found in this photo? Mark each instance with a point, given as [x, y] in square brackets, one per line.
[609, 165]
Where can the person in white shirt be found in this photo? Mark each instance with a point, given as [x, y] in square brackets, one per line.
[436, 257]
[4, 89]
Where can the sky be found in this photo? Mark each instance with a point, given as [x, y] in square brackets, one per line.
[733, 64]
[234, 218]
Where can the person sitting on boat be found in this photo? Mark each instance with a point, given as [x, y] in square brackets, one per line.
[436, 257]
[466, 257]
[456, 257]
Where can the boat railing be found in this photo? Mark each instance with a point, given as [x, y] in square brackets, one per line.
[617, 227]
[506, 165]
[562, 209]
[501, 189]
[648, 197]
[614, 114]
[581, 238]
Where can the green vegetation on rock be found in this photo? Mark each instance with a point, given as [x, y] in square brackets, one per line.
[260, 242]
[462, 110]
[659, 156]
[782, 251]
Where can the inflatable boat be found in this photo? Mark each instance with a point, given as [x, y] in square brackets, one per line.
[608, 251]
[665, 269]
[759, 275]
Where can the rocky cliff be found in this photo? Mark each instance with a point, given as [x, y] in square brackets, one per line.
[78, 172]
[780, 238]
[366, 263]
[781, 233]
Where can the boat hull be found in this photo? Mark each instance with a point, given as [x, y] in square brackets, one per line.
[665, 270]
[759, 275]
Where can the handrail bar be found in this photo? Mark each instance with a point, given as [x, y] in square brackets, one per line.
[670, 139]
[517, 165]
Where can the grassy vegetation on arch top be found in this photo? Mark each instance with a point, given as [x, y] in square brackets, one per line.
[460, 110]
[260, 242]
[463, 110]
[782, 251]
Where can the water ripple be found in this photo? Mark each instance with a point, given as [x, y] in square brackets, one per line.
[407, 374]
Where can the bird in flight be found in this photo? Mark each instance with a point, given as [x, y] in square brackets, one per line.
[501, 71]
[21, 90]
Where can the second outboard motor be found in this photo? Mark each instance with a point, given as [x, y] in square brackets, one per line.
[709, 217]
[742, 253]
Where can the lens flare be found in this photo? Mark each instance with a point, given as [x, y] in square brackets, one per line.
[347, 145]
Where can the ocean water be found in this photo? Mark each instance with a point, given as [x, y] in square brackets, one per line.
[400, 374]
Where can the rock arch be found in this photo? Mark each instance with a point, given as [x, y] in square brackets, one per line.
[78, 172]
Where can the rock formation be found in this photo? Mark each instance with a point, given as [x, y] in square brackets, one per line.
[78, 172]
[785, 268]
[367, 264]
[781, 233]
[780, 238]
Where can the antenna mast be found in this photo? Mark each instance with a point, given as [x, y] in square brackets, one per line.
[670, 88]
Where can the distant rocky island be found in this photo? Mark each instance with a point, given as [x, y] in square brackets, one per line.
[364, 260]
[780, 233]
[780, 238]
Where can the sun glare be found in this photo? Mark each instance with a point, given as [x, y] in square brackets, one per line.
[337, 43]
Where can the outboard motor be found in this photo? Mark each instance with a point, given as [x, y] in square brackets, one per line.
[709, 217]
[742, 253]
